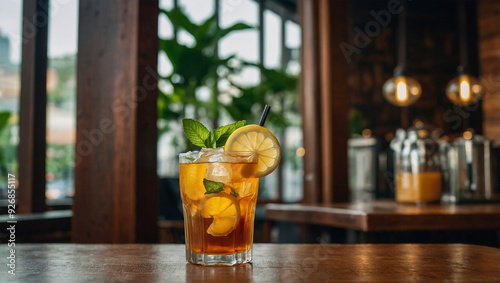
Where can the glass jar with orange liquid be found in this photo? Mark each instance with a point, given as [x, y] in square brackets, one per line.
[418, 178]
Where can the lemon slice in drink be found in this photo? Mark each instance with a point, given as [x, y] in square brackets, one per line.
[192, 177]
[254, 138]
[225, 211]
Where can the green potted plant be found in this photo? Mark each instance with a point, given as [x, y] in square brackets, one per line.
[193, 67]
[197, 66]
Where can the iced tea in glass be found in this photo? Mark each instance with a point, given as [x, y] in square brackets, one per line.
[219, 194]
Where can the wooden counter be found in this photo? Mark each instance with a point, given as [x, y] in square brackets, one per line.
[272, 263]
[390, 216]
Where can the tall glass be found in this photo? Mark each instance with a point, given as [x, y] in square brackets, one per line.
[219, 194]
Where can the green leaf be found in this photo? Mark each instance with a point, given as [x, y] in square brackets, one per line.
[4, 119]
[205, 33]
[222, 133]
[234, 193]
[212, 187]
[221, 33]
[211, 141]
[180, 20]
[195, 132]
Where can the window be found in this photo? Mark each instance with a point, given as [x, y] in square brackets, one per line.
[244, 44]
[279, 51]
[10, 58]
[61, 100]
[61, 94]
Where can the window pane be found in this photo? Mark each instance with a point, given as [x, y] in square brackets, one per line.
[292, 43]
[166, 4]
[10, 58]
[293, 35]
[272, 40]
[165, 29]
[61, 99]
[293, 182]
[233, 11]
[243, 44]
[198, 10]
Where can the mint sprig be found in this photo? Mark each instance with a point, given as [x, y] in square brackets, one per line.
[200, 136]
[212, 187]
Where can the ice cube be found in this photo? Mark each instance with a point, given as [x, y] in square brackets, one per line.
[219, 172]
[211, 155]
[212, 150]
[189, 157]
[247, 188]
[219, 155]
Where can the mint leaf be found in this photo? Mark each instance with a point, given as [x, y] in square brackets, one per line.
[195, 132]
[234, 193]
[190, 158]
[222, 133]
[212, 187]
[211, 141]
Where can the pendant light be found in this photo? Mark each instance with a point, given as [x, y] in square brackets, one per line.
[464, 89]
[401, 90]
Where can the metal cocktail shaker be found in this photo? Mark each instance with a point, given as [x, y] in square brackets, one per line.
[473, 170]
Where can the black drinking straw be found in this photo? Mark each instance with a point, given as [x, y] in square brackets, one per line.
[264, 115]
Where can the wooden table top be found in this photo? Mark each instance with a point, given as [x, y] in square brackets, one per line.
[272, 263]
[390, 216]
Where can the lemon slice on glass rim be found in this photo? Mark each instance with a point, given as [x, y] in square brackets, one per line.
[255, 138]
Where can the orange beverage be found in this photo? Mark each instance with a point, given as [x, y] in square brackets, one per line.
[219, 194]
[418, 187]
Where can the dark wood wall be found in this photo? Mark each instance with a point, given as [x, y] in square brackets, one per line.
[489, 52]
[432, 59]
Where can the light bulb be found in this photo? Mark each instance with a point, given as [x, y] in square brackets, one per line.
[402, 91]
[464, 90]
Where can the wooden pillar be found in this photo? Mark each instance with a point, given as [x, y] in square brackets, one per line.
[116, 186]
[310, 100]
[32, 112]
[324, 100]
[489, 60]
